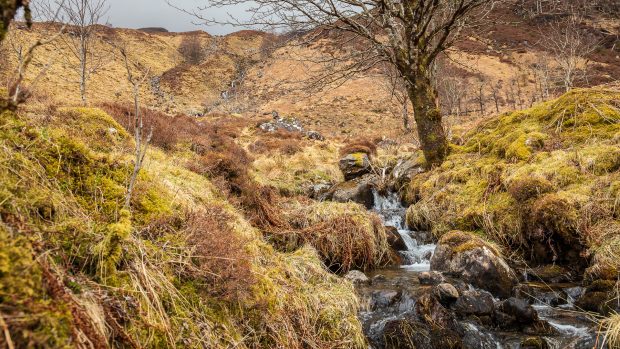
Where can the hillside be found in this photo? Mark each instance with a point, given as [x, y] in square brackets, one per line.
[500, 66]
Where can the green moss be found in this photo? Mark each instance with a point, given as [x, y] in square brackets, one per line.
[100, 129]
[518, 149]
[44, 321]
[110, 249]
[461, 241]
[359, 158]
[554, 214]
[529, 187]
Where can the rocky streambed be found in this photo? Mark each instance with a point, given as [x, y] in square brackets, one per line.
[460, 293]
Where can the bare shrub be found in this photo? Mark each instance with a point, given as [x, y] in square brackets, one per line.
[191, 49]
[284, 142]
[219, 253]
[167, 130]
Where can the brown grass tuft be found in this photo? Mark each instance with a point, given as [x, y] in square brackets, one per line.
[360, 146]
[345, 236]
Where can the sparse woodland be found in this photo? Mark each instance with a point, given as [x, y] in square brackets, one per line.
[332, 174]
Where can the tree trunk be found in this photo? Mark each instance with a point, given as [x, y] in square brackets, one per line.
[428, 119]
[406, 116]
[8, 9]
[83, 72]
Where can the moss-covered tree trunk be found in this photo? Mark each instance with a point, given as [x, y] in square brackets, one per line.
[428, 119]
[8, 9]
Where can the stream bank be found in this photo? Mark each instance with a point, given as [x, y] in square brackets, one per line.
[414, 306]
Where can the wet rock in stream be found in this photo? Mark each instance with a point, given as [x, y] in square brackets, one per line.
[474, 261]
[357, 277]
[430, 278]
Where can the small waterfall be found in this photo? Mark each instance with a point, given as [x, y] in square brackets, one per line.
[418, 254]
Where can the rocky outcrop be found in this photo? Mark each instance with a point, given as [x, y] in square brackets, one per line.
[290, 125]
[357, 190]
[474, 261]
[355, 165]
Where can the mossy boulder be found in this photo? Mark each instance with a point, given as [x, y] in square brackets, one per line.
[474, 261]
[358, 190]
[534, 343]
[354, 165]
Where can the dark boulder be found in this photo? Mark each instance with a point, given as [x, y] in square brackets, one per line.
[445, 293]
[476, 303]
[515, 314]
[395, 240]
[474, 261]
[519, 310]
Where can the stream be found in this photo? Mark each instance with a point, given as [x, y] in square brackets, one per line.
[392, 293]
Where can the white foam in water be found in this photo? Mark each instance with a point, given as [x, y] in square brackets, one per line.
[546, 312]
[393, 212]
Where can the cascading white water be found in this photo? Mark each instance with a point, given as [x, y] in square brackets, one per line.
[417, 256]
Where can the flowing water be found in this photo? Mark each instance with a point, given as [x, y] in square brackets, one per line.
[392, 294]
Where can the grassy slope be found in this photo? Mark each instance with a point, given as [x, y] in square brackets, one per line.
[75, 266]
[551, 172]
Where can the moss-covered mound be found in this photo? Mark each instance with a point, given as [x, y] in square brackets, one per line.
[542, 180]
[77, 269]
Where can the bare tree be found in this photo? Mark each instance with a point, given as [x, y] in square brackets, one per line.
[409, 35]
[82, 16]
[495, 89]
[542, 74]
[571, 45]
[452, 91]
[136, 76]
[481, 98]
[23, 52]
[397, 90]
